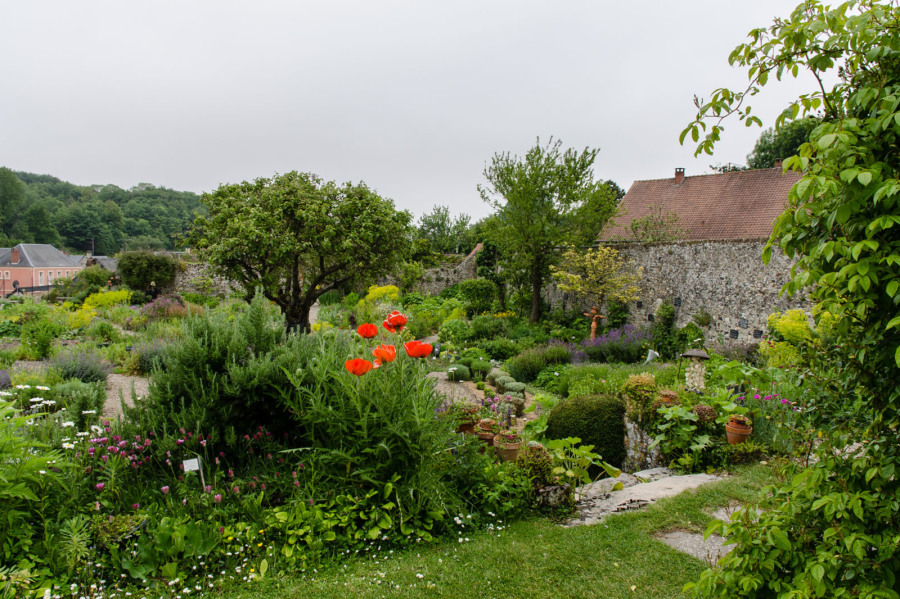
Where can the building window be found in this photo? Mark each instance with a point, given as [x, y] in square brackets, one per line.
[40, 277]
[6, 275]
[49, 277]
[58, 274]
[67, 274]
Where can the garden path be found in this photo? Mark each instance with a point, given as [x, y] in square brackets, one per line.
[119, 388]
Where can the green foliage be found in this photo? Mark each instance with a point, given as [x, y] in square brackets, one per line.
[702, 318]
[664, 333]
[526, 366]
[489, 327]
[107, 299]
[37, 337]
[690, 336]
[139, 269]
[410, 274]
[478, 294]
[385, 293]
[481, 367]
[102, 331]
[616, 314]
[537, 464]
[596, 420]
[499, 349]
[544, 200]
[265, 233]
[455, 331]
[495, 375]
[82, 400]
[639, 392]
[459, 372]
[210, 301]
[575, 463]
[87, 282]
[782, 143]
[444, 234]
[86, 366]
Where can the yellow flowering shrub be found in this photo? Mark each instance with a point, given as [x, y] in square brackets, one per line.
[105, 299]
[80, 318]
[386, 293]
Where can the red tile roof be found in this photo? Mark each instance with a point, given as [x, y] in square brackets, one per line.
[736, 205]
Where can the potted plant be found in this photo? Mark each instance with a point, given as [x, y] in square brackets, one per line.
[466, 415]
[508, 443]
[738, 428]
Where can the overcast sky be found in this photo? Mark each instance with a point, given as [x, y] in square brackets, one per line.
[411, 97]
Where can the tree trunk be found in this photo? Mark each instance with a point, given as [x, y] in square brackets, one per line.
[536, 284]
[298, 318]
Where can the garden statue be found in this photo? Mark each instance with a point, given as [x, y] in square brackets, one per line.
[695, 374]
[595, 317]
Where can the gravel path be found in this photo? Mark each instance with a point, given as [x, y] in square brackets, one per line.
[119, 387]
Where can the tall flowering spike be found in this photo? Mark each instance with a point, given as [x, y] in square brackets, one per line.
[358, 366]
[367, 330]
[385, 353]
[417, 349]
[394, 322]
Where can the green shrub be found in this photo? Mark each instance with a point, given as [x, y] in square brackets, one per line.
[101, 330]
[458, 372]
[549, 378]
[486, 326]
[106, 299]
[526, 366]
[690, 336]
[665, 336]
[500, 349]
[210, 301]
[481, 367]
[139, 269]
[37, 337]
[494, 375]
[501, 381]
[455, 331]
[83, 401]
[514, 387]
[639, 392]
[477, 295]
[596, 419]
[86, 366]
[467, 362]
[147, 355]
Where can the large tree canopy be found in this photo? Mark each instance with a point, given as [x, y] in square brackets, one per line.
[833, 530]
[544, 201]
[296, 237]
[774, 145]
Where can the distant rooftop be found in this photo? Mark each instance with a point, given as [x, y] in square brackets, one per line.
[38, 255]
[726, 206]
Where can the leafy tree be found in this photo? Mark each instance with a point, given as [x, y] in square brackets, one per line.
[297, 237]
[832, 530]
[780, 144]
[139, 269]
[544, 200]
[445, 233]
[12, 198]
[488, 267]
[598, 275]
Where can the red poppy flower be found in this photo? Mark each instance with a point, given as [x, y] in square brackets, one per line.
[367, 330]
[417, 349]
[394, 322]
[358, 366]
[384, 353]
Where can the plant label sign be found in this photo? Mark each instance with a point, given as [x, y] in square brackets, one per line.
[192, 464]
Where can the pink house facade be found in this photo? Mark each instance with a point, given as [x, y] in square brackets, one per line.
[33, 267]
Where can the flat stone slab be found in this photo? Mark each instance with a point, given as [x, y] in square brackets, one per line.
[652, 474]
[598, 501]
[709, 550]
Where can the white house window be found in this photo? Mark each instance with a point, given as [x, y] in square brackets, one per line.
[40, 277]
[67, 273]
[6, 275]
[58, 274]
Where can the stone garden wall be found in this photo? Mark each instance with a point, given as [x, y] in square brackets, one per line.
[725, 278]
[198, 277]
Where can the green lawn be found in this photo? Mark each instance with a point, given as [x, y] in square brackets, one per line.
[535, 558]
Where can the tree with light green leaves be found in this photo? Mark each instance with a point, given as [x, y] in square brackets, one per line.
[833, 530]
[544, 201]
[296, 237]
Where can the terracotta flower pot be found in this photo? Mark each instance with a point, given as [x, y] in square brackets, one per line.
[737, 433]
[508, 451]
[486, 423]
[466, 428]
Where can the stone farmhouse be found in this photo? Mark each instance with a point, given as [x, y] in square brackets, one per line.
[33, 267]
[714, 267]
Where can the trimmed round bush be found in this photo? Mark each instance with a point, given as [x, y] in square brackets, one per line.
[596, 419]
[514, 387]
[489, 327]
[496, 374]
[458, 372]
[481, 367]
[467, 362]
[501, 381]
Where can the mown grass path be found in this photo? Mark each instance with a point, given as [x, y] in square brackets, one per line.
[534, 558]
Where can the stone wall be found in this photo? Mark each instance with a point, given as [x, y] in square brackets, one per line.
[725, 278]
[638, 455]
[198, 277]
